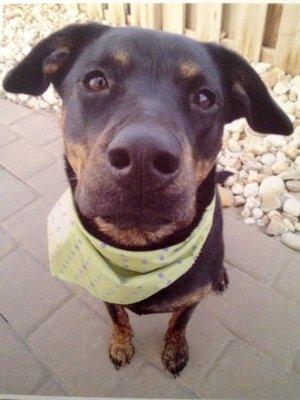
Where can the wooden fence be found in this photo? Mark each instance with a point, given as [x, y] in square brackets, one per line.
[260, 32]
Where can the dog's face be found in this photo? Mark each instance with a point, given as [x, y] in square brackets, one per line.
[142, 129]
[143, 119]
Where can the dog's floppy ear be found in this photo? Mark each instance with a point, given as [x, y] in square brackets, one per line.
[51, 59]
[246, 95]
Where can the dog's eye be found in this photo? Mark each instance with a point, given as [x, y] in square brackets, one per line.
[95, 81]
[204, 98]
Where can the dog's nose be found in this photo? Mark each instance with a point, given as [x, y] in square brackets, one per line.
[147, 153]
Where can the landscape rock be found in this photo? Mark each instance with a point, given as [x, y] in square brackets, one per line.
[275, 140]
[252, 202]
[270, 202]
[292, 207]
[291, 240]
[291, 150]
[276, 227]
[251, 189]
[268, 159]
[226, 195]
[239, 201]
[290, 173]
[255, 145]
[289, 226]
[246, 212]
[293, 186]
[249, 221]
[237, 188]
[279, 166]
[271, 185]
[281, 87]
[234, 146]
[257, 213]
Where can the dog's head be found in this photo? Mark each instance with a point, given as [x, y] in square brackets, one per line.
[143, 119]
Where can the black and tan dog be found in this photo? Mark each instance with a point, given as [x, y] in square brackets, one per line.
[143, 120]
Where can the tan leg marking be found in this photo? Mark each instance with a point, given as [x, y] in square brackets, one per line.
[121, 349]
[175, 353]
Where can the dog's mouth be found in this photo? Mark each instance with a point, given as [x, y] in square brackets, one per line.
[132, 220]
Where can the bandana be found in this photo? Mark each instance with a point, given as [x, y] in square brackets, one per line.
[111, 274]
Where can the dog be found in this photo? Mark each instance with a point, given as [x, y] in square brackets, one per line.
[143, 117]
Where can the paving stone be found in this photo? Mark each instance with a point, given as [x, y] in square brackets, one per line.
[51, 388]
[151, 382]
[28, 226]
[296, 365]
[11, 112]
[74, 344]
[7, 244]
[6, 135]
[251, 251]
[242, 373]
[14, 194]
[37, 127]
[206, 339]
[55, 148]
[20, 372]
[259, 315]
[24, 159]
[28, 293]
[51, 182]
[288, 281]
[96, 304]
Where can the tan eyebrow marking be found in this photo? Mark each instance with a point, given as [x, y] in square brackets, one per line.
[121, 57]
[189, 69]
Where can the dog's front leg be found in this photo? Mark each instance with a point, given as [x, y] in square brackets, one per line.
[121, 349]
[175, 353]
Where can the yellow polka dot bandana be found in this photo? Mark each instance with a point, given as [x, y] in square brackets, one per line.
[111, 274]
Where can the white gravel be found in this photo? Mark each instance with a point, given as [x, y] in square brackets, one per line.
[265, 187]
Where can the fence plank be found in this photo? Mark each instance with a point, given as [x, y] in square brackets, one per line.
[267, 32]
[250, 29]
[267, 55]
[135, 14]
[272, 25]
[117, 13]
[154, 16]
[173, 17]
[229, 20]
[208, 22]
[287, 50]
[144, 15]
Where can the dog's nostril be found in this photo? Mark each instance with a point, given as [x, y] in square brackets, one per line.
[165, 163]
[119, 158]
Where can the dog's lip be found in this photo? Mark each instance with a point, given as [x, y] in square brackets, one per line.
[136, 221]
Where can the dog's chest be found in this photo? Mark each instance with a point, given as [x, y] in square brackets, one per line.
[172, 305]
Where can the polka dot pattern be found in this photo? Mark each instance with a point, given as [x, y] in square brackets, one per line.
[109, 273]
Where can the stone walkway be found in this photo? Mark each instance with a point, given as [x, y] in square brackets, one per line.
[53, 337]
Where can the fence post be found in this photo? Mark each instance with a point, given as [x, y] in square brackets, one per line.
[287, 50]
[250, 29]
[95, 11]
[154, 16]
[173, 17]
[117, 13]
[208, 22]
[135, 13]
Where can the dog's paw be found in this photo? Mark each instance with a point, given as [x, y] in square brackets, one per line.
[121, 352]
[222, 283]
[175, 354]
